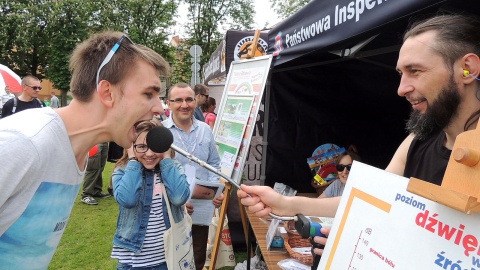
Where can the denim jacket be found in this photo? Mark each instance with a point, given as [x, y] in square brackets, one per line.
[133, 191]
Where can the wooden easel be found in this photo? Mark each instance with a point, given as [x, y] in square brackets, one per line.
[228, 187]
[221, 219]
[460, 188]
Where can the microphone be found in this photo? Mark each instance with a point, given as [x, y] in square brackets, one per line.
[159, 139]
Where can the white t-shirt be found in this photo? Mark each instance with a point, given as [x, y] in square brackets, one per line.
[39, 182]
[5, 97]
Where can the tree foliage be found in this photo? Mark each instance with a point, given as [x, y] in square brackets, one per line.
[39, 36]
[23, 33]
[285, 8]
[68, 29]
[207, 23]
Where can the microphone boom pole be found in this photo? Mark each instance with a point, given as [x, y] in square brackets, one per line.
[204, 164]
[160, 146]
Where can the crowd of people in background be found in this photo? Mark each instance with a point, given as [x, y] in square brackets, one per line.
[27, 99]
[439, 64]
[194, 136]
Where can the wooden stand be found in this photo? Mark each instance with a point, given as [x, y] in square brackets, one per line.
[228, 186]
[460, 188]
[253, 46]
[221, 219]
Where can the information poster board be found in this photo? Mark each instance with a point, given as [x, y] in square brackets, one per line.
[238, 112]
[380, 225]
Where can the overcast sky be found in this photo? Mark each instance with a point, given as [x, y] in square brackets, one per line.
[263, 14]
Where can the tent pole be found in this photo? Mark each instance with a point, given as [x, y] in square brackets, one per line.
[265, 128]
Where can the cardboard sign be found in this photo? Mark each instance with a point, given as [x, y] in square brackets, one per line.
[380, 225]
[237, 113]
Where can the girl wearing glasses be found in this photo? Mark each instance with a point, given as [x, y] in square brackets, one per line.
[143, 217]
[344, 164]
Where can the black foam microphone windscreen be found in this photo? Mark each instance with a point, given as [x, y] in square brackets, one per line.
[159, 139]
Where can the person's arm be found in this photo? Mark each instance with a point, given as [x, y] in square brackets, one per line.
[397, 164]
[265, 200]
[175, 181]
[16, 149]
[210, 119]
[211, 124]
[127, 182]
[7, 108]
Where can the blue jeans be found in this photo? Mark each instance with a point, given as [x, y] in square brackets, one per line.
[121, 266]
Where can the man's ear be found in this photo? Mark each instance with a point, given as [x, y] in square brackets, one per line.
[105, 93]
[471, 63]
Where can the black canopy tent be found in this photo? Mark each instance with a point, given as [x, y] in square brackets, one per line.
[333, 80]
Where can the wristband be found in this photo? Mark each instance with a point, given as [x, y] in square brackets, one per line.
[132, 158]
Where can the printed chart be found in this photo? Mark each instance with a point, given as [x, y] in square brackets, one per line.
[380, 225]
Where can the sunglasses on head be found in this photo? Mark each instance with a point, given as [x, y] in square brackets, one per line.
[341, 167]
[110, 55]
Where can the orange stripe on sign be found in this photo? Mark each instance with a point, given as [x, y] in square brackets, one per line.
[356, 193]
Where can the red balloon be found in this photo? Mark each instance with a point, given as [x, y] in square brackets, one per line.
[93, 151]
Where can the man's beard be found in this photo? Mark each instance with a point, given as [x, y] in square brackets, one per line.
[438, 115]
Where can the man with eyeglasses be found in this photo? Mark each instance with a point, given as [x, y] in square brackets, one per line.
[115, 85]
[27, 100]
[201, 96]
[196, 138]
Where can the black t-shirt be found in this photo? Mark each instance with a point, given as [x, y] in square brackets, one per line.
[21, 105]
[427, 160]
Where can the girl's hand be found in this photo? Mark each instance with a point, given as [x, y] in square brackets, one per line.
[130, 152]
[168, 153]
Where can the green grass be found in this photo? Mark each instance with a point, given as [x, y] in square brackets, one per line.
[87, 240]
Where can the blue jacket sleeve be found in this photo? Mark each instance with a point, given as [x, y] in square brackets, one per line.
[175, 181]
[127, 184]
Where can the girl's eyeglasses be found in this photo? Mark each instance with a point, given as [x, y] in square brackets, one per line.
[141, 148]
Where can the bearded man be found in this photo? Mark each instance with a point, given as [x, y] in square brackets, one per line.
[439, 66]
